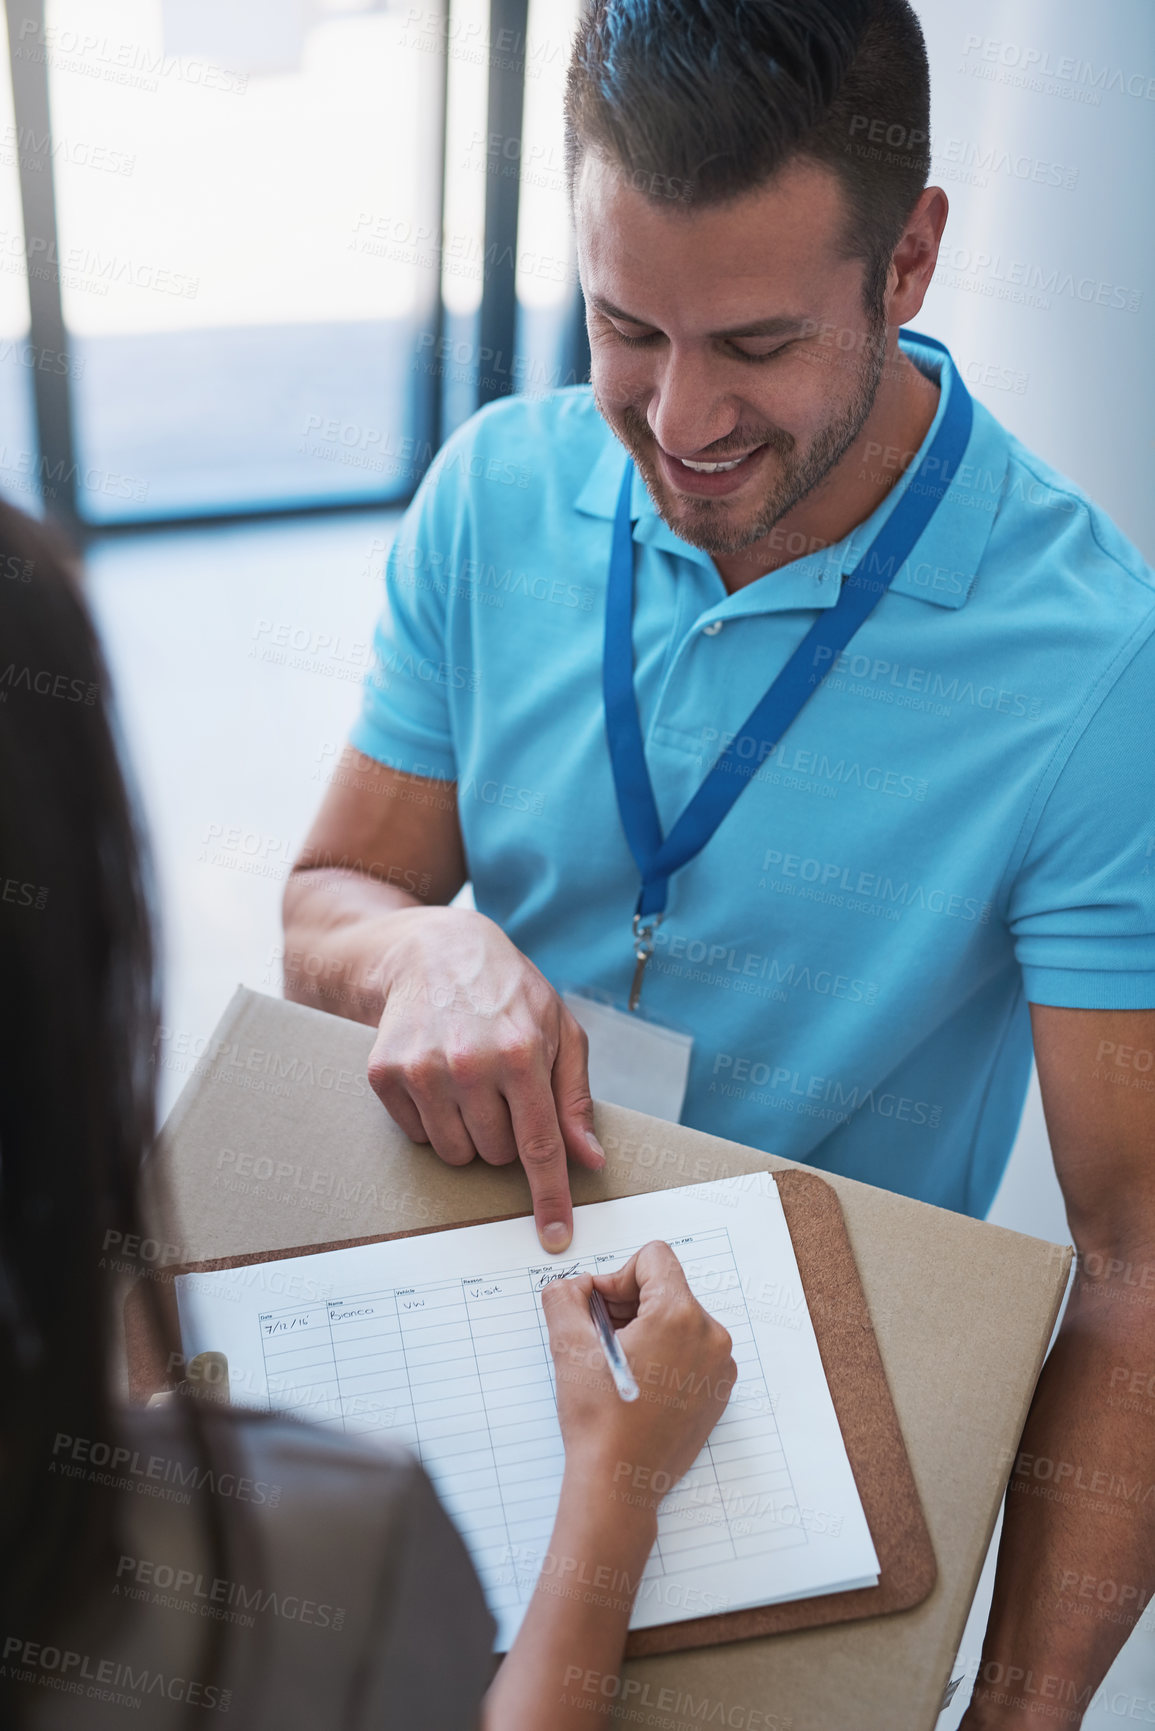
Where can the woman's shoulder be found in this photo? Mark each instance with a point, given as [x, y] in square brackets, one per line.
[336, 1585]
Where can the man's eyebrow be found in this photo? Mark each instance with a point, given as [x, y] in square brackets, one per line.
[779, 326]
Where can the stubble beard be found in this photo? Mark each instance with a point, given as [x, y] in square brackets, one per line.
[707, 523]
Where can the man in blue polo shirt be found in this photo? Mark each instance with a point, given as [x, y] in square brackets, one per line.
[854, 950]
[790, 721]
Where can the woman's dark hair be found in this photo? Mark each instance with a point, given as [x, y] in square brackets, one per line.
[79, 1013]
[700, 101]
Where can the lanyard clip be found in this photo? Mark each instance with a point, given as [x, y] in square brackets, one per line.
[643, 950]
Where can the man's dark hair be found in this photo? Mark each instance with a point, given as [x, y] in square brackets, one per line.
[700, 101]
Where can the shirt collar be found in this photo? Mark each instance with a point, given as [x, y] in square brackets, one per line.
[941, 566]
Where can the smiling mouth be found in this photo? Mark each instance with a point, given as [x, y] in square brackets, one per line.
[714, 468]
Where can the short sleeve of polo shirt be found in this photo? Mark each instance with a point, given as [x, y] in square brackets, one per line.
[1082, 902]
[405, 719]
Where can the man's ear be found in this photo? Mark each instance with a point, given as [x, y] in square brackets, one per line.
[914, 258]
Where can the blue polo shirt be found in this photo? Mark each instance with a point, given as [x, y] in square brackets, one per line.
[960, 821]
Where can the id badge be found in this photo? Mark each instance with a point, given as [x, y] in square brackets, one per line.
[633, 1061]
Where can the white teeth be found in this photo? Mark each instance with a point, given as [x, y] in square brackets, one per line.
[711, 468]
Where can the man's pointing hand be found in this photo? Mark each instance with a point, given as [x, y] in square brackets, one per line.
[477, 1055]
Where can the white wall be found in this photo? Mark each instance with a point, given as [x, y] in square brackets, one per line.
[1090, 368]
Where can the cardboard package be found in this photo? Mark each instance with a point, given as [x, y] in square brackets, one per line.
[277, 1142]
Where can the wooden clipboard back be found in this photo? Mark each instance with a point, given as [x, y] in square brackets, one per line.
[858, 1387]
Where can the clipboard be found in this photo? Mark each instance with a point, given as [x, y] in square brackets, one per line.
[858, 1388]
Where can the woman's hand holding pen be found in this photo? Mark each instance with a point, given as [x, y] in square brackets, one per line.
[681, 1360]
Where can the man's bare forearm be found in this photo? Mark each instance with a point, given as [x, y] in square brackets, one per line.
[1077, 1557]
[336, 936]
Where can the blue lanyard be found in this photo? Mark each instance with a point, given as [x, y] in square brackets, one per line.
[658, 857]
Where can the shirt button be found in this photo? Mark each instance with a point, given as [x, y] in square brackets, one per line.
[713, 629]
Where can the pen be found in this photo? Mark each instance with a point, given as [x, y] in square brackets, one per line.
[616, 1359]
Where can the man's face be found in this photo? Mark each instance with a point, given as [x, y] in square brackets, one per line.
[731, 335]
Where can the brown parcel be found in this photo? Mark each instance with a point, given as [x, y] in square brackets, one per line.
[277, 1142]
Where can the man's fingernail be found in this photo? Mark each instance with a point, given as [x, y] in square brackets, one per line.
[556, 1235]
[596, 1146]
